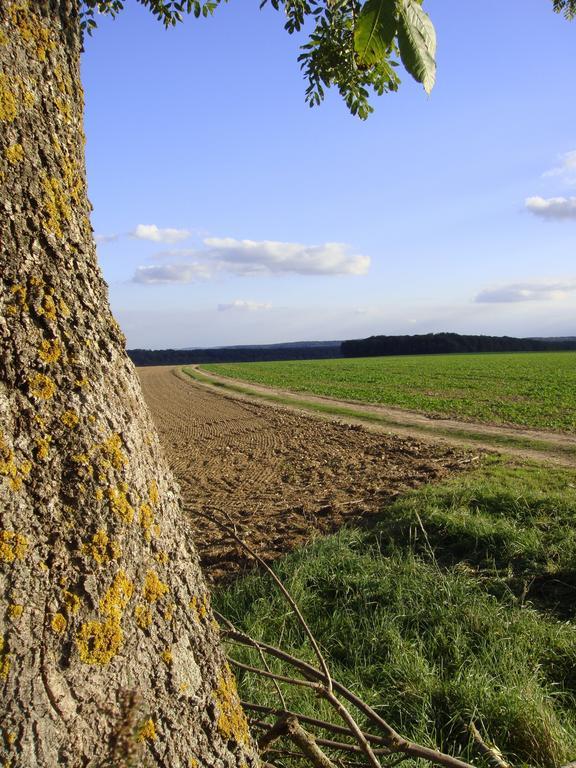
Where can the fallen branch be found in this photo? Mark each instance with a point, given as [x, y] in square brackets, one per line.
[321, 682]
[492, 754]
[338, 745]
[231, 531]
[289, 727]
[325, 725]
[392, 739]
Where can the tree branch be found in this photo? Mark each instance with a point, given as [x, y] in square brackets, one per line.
[325, 725]
[231, 531]
[492, 754]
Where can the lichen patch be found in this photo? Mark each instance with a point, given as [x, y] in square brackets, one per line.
[8, 103]
[41, 386]
[231, 722]
[154, 589]
[117, 596]
[70, 419]
[102, 548]
[120, 505]
[50, 351]
[13, 546]
[147, 731]
[5, 660]
[14, 153]
[59, 623]
[99, 641]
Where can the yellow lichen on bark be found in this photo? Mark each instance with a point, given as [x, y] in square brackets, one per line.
[117, 596]
[70, 419]
[14, 154]
[8, 102]
[143, 616]
[146, 520]
[57, 209]
[153, 492]
[72, 602]
[41, 386]
[50, 351]
[31, 29]
[99, 641]
[102, 548]
[4, 659]
[20, 294]
[42, 447]
[112, 452]
[13, 546]
[199, 608]
[231, 722]
[153, 589]
[167, 656]
[15, 611]
[120, 505]
[58, 623]
[147, 731]
[161, 557]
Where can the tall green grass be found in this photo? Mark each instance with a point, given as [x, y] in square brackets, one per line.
[435, 614]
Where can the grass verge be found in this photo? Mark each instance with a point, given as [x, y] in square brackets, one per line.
[457, 604]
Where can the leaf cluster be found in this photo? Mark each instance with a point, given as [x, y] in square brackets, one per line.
[357, 47]
[352, 45]
[567, 7]
[168, 12]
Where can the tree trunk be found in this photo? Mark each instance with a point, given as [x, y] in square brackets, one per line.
[109, 654]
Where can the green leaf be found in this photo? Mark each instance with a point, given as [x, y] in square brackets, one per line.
[375, 30]
[417, 43]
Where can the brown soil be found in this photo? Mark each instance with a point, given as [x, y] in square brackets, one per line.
[282, 477]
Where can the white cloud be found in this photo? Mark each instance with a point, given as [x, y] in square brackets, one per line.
[566, 169]
[157, 235]
[244, 306]
[101, 239]
[273, 257]
[171, 273]
[538, 291]
[256, 258]
[552, 207]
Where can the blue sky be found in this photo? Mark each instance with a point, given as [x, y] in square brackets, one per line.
[228, 212]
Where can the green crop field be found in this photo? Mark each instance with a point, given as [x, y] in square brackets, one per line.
[530, 389]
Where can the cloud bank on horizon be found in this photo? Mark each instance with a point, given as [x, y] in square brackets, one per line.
[242, 305]
[535, 291]
[245, 258]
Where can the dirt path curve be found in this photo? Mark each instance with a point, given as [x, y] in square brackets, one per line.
[537, 445]
[281, 476]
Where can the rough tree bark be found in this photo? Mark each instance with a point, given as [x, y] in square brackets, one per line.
[109, 654]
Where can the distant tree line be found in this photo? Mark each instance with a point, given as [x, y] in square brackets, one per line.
[142, 357]
[445, 343]
[425, 344]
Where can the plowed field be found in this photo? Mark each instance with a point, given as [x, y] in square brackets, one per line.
[282, 477]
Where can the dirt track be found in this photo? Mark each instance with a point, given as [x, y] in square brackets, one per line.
[281, 476]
